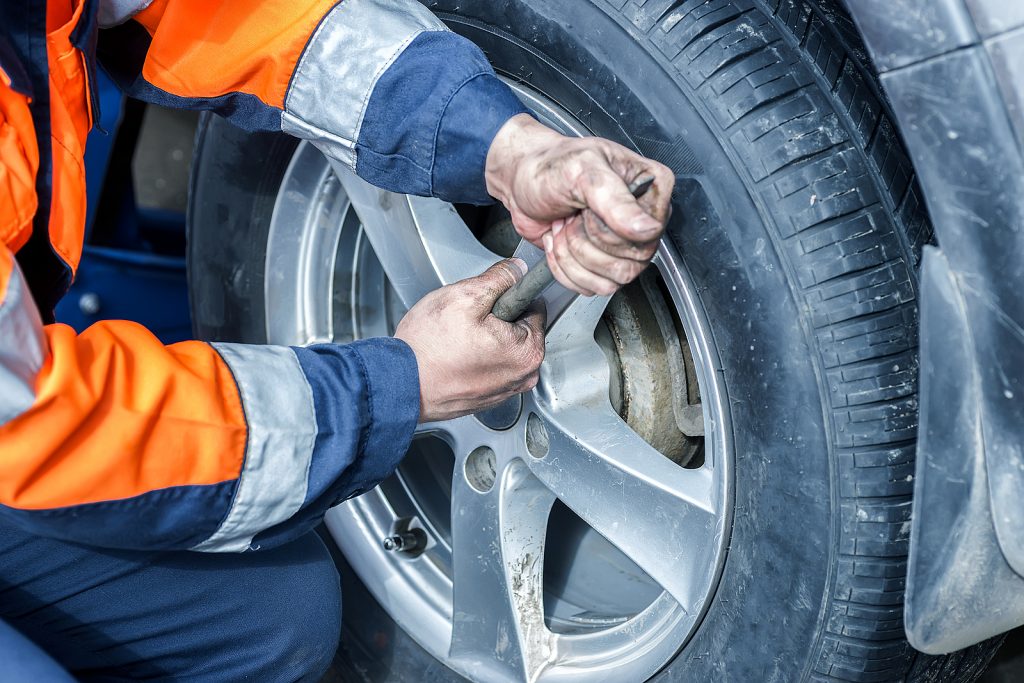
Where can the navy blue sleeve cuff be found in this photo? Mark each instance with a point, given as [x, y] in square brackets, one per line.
[431, 118]
[393, 400]
[367, 400]
[472, 118]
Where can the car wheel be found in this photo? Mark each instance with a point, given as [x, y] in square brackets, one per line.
[712, 480]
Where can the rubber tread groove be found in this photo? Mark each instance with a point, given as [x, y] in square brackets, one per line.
[766, 105]
[872, 219]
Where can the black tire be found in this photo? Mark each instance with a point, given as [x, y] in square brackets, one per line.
[799, 218]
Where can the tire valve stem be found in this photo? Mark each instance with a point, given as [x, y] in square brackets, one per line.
[409, 541]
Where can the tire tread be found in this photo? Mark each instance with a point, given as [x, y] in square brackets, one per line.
[808, 123]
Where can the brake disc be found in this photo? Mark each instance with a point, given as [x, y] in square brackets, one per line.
[659, 397]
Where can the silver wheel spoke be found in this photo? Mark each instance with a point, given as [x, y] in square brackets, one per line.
[498, 550]
[575, 370]
[576, 320]
[654, 511]
[650, 508]
[421, 243]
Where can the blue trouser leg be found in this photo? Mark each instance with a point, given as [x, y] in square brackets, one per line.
[270, 615]
[24, 661]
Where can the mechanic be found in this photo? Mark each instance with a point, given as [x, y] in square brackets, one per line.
[119, 454]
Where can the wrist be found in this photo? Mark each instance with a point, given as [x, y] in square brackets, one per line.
[518, 139]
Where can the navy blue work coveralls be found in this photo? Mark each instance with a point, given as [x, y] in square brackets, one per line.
[156, 503]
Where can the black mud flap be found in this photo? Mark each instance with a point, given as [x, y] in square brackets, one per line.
[961, 588]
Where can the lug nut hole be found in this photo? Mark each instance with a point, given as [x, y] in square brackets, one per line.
[481, 469]
[536, 436]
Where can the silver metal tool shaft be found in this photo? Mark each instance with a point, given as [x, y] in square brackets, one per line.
[514, 302]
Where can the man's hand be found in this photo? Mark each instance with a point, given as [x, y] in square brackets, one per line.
[468, 359]
[571, 196]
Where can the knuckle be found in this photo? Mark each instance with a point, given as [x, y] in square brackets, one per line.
[597, 230]
[602, 231]
[528, 356]
[643, 252]
[573, 159]
[577, 243]
[528, 360]
[561, 249]
[537, 354]
[586, 150]
[597, 160]
[622, 271]
[479, 296]
[464, 287]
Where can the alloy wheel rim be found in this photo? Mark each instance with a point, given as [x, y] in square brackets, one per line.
[475, 596]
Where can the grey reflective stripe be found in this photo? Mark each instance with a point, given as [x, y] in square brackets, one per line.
[278, 404]
[114, 12]
[23, 348]
[355, 43]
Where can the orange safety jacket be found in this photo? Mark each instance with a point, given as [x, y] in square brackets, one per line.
[112, 439]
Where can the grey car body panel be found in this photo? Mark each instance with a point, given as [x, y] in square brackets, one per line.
[898, 33]
[992, 17]
[952, 70]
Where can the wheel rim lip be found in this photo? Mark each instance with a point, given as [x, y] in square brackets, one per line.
[295, 316]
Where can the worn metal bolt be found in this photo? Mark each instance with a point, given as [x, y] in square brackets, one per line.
[407, 541]
[89, 303]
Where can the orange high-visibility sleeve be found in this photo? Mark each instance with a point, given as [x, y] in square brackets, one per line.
[207, 48]
[380, 86]
[111, 438]
[113, 415]
[117, 415]
[19, 162]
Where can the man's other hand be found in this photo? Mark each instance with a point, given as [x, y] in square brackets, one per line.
[571, 196]
[468, 359]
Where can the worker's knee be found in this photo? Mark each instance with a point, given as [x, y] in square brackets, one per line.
[278, 618]
[301, 622]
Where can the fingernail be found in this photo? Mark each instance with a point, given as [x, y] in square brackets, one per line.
[644, 224]
[520, 264]
[548, 241]
[557, 226]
